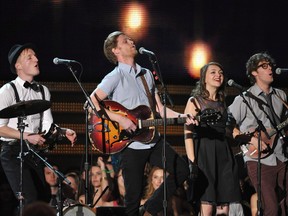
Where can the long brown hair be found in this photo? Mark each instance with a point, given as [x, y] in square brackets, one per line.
[149, 190]
[200, 89]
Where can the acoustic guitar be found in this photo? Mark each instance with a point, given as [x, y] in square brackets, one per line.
[252, 151]
[108, 137]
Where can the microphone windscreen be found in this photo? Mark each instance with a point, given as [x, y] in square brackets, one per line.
[230, 82]
[55, 60]
[278, 71]
[141, 50]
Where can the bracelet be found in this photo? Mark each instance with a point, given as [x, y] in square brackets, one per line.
[107, 171]
[188, 136]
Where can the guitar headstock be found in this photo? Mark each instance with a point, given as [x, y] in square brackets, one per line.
[210, 116]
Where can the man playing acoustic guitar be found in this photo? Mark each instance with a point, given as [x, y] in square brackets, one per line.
[269, 106]
[126, 86]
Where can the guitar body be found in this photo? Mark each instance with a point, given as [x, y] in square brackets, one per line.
[252, 151]
[108, 139]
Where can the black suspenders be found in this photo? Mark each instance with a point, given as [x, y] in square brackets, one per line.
[18, 100]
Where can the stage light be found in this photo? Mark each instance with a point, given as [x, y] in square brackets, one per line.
[197, 54]
[134, 20]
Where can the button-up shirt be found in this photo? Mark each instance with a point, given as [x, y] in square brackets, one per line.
[124, 85]
[8, 98]
[248, 123]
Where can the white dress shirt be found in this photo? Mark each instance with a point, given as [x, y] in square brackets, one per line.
[8, 98]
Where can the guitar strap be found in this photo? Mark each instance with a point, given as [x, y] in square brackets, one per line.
[284, 103]
[285, 145]
[148, 93]
[269, 102]
[197, 109]
[276, 119]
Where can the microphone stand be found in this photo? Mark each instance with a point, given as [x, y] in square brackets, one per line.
[21, 127]
[60, 175]
[164, 94]
[259, 129]
[103, 192]
[91, 104]
[86, 164]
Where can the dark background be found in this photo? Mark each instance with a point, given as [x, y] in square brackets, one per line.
[76, 29]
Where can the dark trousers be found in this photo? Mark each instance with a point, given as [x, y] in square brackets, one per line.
[133, 163]
[34, 186]
[273, 187]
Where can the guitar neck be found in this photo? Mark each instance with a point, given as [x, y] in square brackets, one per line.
[279, 127]
[159, 122]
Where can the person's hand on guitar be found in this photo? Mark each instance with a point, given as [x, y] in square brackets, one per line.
[34, 139]
[57, 133]
[190, 119]
[127, 124]
[254, 142]
[71, 136]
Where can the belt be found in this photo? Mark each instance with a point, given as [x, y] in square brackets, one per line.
[10, 143]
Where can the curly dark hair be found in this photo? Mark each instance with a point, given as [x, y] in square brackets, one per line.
[253, 61]
[200, 89]
[109, 44]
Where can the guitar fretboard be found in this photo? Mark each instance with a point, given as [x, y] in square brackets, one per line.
[159, 122]
[279, 127]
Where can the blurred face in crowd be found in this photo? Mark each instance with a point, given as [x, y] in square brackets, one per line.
[96, 176]
[157, 178]
[50, 177]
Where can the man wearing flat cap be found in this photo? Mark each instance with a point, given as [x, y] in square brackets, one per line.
[24, 63]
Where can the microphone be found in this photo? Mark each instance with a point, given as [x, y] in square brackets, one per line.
[281, 70]
[232, 83]
[63, 61]
[142, 50]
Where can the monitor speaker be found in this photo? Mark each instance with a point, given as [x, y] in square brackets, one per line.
[110, 211]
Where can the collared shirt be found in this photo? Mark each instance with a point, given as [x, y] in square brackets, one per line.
[8, 98]
[248, 123]
[124, 85]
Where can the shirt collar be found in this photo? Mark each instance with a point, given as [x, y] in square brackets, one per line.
[20, 81]
[129, 68]
[255, 89]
